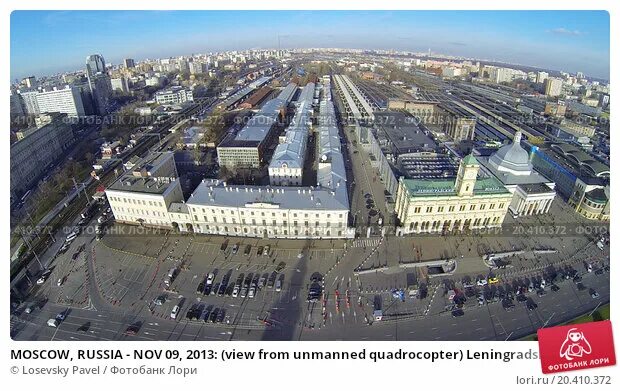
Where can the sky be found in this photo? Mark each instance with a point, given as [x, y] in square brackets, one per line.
[47, 42]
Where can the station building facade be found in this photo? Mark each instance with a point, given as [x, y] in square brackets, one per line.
[452, 204]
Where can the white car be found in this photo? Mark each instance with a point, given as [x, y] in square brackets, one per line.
[278, 285]
[210, 278]
[52, 323]
[235, 292]
[543, 283]
[251, 292]
[482, 282]
[175, 312]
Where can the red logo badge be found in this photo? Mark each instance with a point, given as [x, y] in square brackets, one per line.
[573, 347]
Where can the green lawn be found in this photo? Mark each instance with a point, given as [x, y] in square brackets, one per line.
[601, 313]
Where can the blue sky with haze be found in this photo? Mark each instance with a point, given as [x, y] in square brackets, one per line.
[46, 42]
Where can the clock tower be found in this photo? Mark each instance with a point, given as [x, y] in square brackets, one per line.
[466, 177]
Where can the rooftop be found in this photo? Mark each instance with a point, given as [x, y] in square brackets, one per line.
[427, 165]
[292, 151]
[259, 126]
[403, 132]
[536, 188]
[149, 185]
[215, 193]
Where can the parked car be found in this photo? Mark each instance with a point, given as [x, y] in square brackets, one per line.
[160, 300]
[266, 250]
[247, 250]
[259, 251]
[278, 285]
[235, 249]
[175, 312]
[52, 322]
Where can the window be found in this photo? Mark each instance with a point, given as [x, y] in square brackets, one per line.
[461, 208]
[416, 210]
[472, 207]
[440, 209]
[429, 209]
[482, 207]
[501, 206]
[492, 206]
[451, 208]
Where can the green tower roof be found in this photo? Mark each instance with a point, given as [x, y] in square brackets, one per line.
[470, 160]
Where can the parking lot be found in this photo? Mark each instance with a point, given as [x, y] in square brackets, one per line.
[288, 289]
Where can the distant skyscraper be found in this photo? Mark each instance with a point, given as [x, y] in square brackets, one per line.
[95, 64]
[553, 86]
[98, 82]
[30, 81]
[129, 63]
[541, 77]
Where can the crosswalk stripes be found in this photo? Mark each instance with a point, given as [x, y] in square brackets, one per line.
[366, 242]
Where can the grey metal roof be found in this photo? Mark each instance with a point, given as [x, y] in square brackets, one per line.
[508, 178]
[259, 126]
[292, 151]
[231, 100]
[331, 171]
[214, 193]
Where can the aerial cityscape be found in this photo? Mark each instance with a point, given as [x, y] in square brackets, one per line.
[308, 182]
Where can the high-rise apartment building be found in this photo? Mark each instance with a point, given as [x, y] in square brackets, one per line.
[67, 100]
[553, 86]
[99, 83]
